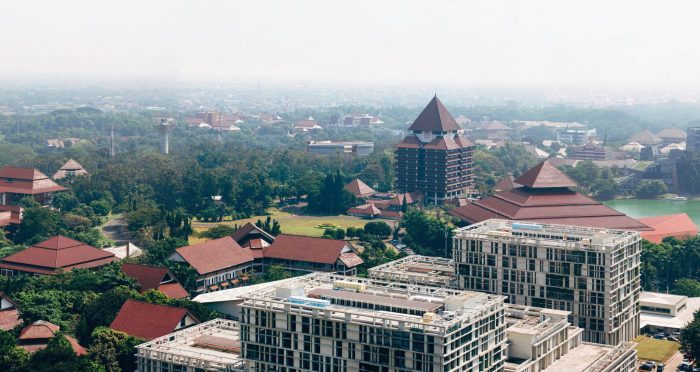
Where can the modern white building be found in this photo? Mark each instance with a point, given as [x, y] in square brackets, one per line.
[327, 322]
[662, 312]
[592, 273]
[359, 148]
[211, 346]
[416, 269]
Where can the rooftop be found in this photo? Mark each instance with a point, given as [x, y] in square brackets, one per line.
[214, 345]
[308, 249]
[590, 357]
[215, 255]
[416, 269]
[27, 181]
[545, 175]
[374, 302]
[548, 235]
[359, 188]
[679, 321]
[435, 118]
[147, 321]
[678, 225]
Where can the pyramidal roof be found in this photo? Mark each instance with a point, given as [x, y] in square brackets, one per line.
[359, 188]
[507, 183]
[435, 118]
[71, 165]
[59, 242]
[545, 175]
[646, 137]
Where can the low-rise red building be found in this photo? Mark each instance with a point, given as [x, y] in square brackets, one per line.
[158, 278]
[53, 255]
[148, 321]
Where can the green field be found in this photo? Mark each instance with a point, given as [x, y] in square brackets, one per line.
[655, 350]
[293, 223]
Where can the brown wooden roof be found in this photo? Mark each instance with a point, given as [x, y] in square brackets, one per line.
[214, 255]
[147, 321]
[304, 248]
[359, 188]
[435, 118]
[545, 175]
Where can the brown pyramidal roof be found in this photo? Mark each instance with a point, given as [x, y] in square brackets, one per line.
[505, 184]
[435, 118]
[21, 173]
[545, 175]
[359, 188]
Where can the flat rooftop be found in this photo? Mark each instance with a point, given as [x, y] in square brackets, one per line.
[416, 268]
[589, 357]
[548, 235]
[211, 345]
[535, 320]
[371, 301]
[679, 321]
[660, 298]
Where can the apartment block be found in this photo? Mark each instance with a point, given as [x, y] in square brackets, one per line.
[592, 273]
[328, 322]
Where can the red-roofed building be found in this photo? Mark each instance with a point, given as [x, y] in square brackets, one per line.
[676, 225]
[360, 189]
[216, 261]
[70, 168]
[9, 313]
[37, 335]
[307, 254]
[543, 195]
[434, 159]
[158, 278]
[365, 211]
[16, 183]
[50, 256]
[148, 321]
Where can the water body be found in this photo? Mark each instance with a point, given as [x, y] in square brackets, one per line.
[638, 208]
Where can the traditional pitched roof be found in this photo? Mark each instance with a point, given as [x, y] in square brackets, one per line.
[435, 118]
[57, 253]
[214, 255]
[150, 277]
[9, 313]
[507, 183]
[671, 133]
[365, 210]
[494, 125]
[71, 167]
[26, 181]
[148, 321]
[545, 197]
[677, 225]
[350, 259]
[545, 175]
[646, 138]
[359, 188]
[409, 142]
[36, 336]
[304, 248]
[248, 231]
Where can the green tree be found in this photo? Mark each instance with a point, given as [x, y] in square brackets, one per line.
[378, 229]
[427, 235]
[12, 358]
[687, 287]
[690, 337]
[219, 231]
[650, 189]
[113, 350]
[58, 356]
[38, 224]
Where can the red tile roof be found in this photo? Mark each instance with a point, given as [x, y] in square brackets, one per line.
[9, 319]
[545, 175]
[359, 188]
[409, 142]
[351, 259]
[304, 248]
[40, 329]
[250, 229]
[214, 255]
[365, 210]
[505, 184]
[545, 199]
[677, 225]
[147, 321]
[150, 277]
[71, 166]
[57, 253]
[435, 118]
[27, 181]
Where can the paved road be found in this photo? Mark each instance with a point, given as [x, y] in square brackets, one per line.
[115, 229]
[674, 362]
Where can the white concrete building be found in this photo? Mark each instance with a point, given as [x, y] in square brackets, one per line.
[661, 312]
[326, 322]
[593, 273]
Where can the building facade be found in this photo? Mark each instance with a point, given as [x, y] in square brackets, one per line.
[434, 159]
[325, 322]
[359, 148]
[593, 273]
[693, 139]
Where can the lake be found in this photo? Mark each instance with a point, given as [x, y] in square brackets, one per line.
[637, 208]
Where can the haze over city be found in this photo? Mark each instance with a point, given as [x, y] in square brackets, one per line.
[635, 44]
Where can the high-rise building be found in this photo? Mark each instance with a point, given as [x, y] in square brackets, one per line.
[693, 139]
[434, 159]
[326, 322]
[593, 273]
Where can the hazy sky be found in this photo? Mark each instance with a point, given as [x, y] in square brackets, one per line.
[483, 42]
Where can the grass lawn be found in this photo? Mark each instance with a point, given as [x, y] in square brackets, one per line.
[292, 223]
[655, 350]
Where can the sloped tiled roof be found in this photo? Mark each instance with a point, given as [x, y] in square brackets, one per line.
[147, 321]
[26, 181]
[671, 133]
[215, 255]
[359, 188]
[42, 330]
[304, 248]
[545, 175]
[249, 228]
[547, 202]
[351, 259]
[505, 184]
[646, 138]
[409, 142]
[365, 209]
[71, 166]
[435, 118]
[678, 225]
[21, 173]
[494, 125]
[150, 277]
[9, 319]
[56, 253]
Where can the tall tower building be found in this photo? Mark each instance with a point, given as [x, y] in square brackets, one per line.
[434, 158]
[164, 127]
